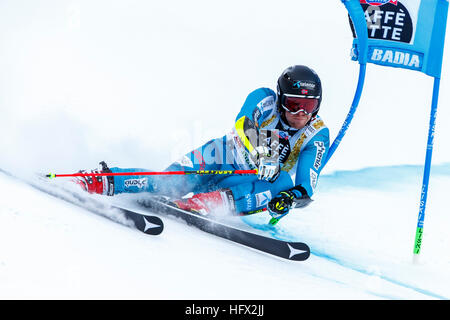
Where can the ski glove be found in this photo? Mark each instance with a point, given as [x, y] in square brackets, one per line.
[263, 148]
[267, 156]
[97, 184]
[280, 205]
[268, 169]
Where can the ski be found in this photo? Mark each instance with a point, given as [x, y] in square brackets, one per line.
[148, 224]
[153, 225]
[297, 251]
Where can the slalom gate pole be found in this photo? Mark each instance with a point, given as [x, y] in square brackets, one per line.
[359, 53]
[426, 172]
[152, 173]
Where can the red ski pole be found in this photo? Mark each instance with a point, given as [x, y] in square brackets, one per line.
[152, 173]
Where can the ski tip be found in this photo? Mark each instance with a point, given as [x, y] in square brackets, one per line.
[152, 225]
[298, 251]
[50, 175]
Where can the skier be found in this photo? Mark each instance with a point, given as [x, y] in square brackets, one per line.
[279, 134]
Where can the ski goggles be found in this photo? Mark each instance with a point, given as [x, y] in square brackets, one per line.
[295, 104]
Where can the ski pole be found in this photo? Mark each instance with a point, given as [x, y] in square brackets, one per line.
[152, 173]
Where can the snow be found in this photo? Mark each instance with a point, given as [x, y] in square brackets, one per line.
[52, 249]
[140, 83]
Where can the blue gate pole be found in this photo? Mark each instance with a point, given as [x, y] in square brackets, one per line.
[426, 171]
[359, 53]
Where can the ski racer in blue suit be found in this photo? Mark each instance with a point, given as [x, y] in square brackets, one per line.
[279, 134]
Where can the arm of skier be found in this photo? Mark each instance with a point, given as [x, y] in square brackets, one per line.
[258, 107]
[310, 163]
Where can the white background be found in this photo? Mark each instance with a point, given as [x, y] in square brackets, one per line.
[138, 83]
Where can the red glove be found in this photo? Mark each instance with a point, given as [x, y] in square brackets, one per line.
[97, 184]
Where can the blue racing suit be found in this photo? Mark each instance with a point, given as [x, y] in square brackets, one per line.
[302, 153]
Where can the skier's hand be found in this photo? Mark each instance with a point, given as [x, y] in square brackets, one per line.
[280, 205]
[268, 169]
[97, 184]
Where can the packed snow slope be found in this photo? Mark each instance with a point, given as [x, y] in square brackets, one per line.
[361, 238]
[139, 83]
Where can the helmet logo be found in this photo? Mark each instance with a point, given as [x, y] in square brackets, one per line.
[297, 85]
[304, 84]
[304, 91]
